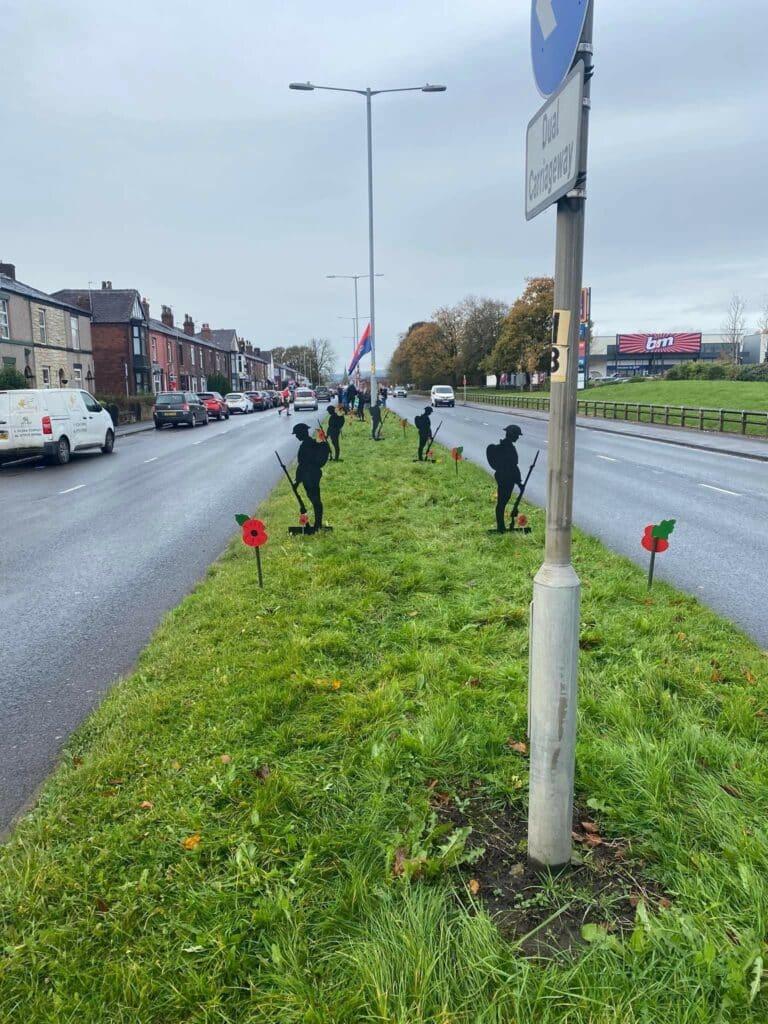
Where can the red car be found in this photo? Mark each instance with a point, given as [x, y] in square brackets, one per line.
[215, 404]
[260, 399]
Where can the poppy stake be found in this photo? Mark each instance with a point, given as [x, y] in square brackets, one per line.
[456, 455]
[254, 535]
[656, 539]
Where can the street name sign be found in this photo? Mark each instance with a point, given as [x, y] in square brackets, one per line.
[553, 146]
[556, 27]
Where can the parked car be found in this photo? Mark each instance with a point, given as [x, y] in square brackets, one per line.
[238, 402]
[177, 407]
[52, 423]
[304, 398]
[215, 404]
[442, 394]
[260, 399]
[400, 392]
[322, 393]
[275, 396]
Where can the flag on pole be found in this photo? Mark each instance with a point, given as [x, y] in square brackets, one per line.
[362, 349]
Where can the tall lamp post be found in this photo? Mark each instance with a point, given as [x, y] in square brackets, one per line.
[369, 93]
[355, 278]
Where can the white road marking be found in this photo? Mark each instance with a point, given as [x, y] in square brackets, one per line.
[199, 442]
[607, 458]
[721, 489]
[486, 424]
[70, 489]
[146, 461]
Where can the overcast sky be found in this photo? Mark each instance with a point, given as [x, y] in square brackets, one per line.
[158, 146]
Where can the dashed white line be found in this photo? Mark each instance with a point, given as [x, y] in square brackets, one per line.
[722, 490]
[147, 461]
[607, 458]
[198, 442]
[70, 489]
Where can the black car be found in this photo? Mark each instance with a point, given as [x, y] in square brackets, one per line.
[322, 393]
[177, 407]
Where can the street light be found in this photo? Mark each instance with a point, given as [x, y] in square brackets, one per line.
[355, 278]
[369, 93]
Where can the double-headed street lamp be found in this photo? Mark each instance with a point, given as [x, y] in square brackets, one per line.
[355, 278]
[368, 93]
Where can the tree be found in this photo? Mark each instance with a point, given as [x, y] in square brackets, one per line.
[734, 327]
[218, 382]
[525, 336]
[315, 360]
[483, 319]
[11, 379]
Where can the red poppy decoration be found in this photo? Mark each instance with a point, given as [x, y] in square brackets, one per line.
[522, 520]
[254, 534]
[320, 434]
[656, 535]
[303, 519]
[456, 453]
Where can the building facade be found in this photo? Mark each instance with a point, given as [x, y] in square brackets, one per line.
[44, 337]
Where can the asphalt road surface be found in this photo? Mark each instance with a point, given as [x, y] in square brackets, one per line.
[625, 480]
[95, 552]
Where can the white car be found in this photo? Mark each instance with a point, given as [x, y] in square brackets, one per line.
[400, 393]
[238, 402]
[52, 422]
[304, 398]
[442, 394]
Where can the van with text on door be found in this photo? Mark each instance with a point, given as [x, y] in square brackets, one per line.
[52, 423]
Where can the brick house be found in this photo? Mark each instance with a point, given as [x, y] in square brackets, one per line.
[224, 342]
[45, 337]
[119, 332]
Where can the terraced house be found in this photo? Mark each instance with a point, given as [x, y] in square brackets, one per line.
[45, 337]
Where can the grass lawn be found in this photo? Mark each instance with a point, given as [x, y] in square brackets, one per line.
[712, 394]
[248, 829]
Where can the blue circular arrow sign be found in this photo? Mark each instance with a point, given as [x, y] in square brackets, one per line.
[556, 27]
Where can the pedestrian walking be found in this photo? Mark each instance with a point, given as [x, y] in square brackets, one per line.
[335, 426]
[312, 456]
[349, 405]
[502, 458]
[424, 427]
[383, 392]
[285, 398]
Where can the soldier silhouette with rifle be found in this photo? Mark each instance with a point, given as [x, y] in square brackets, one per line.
[502, 458]
[335, 426]
[424, 427]
[312, 456]
[376, 419]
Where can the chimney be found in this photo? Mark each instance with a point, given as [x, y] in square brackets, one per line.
[167, 316]
[109, 285]
[103, 286]
[145, 307]
[8, 270]
[189, 325]
[206, 332]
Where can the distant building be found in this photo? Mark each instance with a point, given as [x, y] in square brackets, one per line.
[630, 355]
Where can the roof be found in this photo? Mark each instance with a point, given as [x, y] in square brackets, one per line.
[108, 305]
[176, 332]
[10, 284]
[222, 339]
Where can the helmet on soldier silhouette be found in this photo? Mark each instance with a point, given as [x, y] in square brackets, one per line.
[331, 408]
[427, 410]
[514, 430]
[301, 430]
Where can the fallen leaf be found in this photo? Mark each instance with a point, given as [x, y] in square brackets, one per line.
[223, 680]
[634, 900]
[263, 772]
[77, 761]
[413, 614]
[518, 746]
[577, 837]
[401, 856]
[591, 827]
[761, 714]
[648, 600]
[664, 903]
[335, 685]
[593, 840]
[146, 805]
[517, 870]
[175, 765]
[191, 842]
[225, 758]
[716, 677]
[474, 682]
[474, 886]
[441, 798]
[102, 906]
[682, 636]
[115, 782]
[732, 790]
[432, 784]
[749, 676]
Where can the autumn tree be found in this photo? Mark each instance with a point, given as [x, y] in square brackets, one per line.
[526, 332]
[315, 360]
[734, 328]
[482, 323]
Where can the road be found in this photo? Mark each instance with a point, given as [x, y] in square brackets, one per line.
[623, 481]
[95, 552]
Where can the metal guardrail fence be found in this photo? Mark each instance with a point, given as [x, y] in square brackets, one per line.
[728, 421]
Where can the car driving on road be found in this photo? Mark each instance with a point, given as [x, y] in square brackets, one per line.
[177, 407]
[53, 423]
[442, 394]
[304, 398]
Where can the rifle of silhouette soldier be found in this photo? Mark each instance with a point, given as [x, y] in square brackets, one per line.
[335, 426]
[519, 498]
[502, 458]
[424, 428]
[312, 456]
[295, 489]
[383, 421]
[432, 440]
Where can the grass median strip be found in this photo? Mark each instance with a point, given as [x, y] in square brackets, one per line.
[265, 822]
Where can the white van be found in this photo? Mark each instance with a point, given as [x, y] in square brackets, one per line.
[52, 422]
[442, 394]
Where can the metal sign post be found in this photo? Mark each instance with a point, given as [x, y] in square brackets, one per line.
[554, 639]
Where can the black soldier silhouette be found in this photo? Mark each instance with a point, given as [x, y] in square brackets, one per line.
[349, 403]
[502, 458]
[335, 425]
[376, 419]
[424, 427]
[312, 456]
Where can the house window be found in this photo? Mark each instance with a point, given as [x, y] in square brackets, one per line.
[4, 332]
[181, 354]
[77, 374]
[192, 349]
[136, 330]
[154, 349]
[46, 376]
[169, 352]
[74, 324]
[41, 327]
